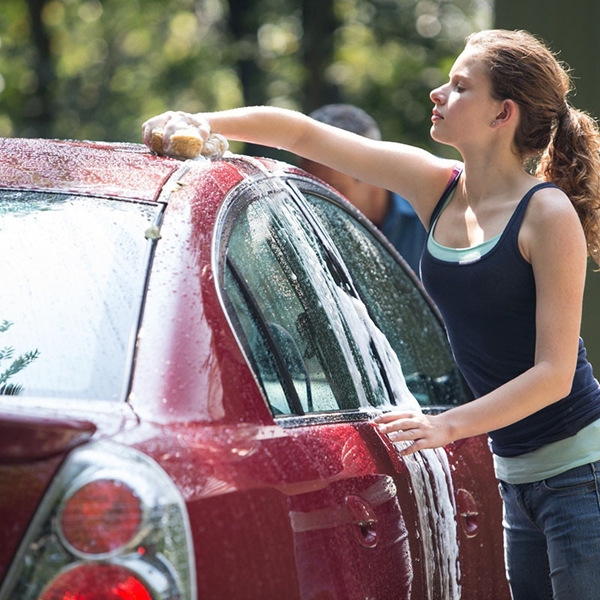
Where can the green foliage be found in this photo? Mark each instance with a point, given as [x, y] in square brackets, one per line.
[95, 70]
[17, 365]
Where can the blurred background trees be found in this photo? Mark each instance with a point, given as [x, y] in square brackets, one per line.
[570, 30]
[91, 69]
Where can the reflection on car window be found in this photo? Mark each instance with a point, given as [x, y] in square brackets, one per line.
[73, 271]
[397, 307]
[306, 332]
[278, 285]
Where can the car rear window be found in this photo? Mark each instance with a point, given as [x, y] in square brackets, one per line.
[72, 270]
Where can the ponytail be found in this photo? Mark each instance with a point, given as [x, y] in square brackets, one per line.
[572, 161]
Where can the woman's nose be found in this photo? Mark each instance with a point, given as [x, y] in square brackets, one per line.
[437, 95]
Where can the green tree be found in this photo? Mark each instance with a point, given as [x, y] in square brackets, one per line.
[17, 365]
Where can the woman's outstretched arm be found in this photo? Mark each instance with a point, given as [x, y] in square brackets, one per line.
[414, 173]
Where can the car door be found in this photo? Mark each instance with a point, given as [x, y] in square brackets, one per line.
[383, 526]
[350, 535]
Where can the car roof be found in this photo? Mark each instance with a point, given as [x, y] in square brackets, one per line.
[87, 168]
[107, 169]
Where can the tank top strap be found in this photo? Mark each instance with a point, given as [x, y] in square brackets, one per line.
[517, 217]
[514, 224]
[456, 172]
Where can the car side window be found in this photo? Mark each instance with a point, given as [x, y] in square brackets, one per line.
[281, 299]
[398, 308]
[296, 317]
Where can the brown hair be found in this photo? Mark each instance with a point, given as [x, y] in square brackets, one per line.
[565, 141]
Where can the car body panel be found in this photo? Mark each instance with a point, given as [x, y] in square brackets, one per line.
[181, 290]
[31, 438]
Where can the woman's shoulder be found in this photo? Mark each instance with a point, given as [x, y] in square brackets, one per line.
[550, 220]
[443, 176]
[421, 179]
[549, 202]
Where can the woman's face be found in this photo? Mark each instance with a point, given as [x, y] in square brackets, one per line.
[464, 108]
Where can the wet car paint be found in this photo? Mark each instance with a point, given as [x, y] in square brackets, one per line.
[326, 509]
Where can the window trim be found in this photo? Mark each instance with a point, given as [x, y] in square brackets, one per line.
[344, 416]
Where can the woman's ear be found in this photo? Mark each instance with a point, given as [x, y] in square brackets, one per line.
[508, 112]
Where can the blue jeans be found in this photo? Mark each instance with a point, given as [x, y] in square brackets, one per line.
[552, 536]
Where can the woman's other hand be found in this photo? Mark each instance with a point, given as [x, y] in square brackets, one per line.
[419, 430]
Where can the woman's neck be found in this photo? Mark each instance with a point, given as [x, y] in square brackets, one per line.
[487, 177]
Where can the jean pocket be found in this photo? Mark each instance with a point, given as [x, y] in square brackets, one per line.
[577, 480]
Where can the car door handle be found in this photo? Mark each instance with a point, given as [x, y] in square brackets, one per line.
[468, 512]
[363, 519]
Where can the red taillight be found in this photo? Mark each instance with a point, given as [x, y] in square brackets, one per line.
[96, 582]
[100, 517]
[112, 526]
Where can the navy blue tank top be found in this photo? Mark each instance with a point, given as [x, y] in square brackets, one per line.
[488, 306]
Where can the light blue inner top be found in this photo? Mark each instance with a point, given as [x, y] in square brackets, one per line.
[458, 255]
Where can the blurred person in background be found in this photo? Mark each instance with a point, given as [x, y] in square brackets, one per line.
[391, 213]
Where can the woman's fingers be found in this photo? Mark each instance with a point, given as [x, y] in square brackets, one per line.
[154, 124]
[392, 416]
[397, 421]
[413, 431]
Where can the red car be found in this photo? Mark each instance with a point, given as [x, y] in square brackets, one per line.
[191, 357]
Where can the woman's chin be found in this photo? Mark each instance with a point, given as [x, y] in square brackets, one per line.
[436, 136]
[434, 132]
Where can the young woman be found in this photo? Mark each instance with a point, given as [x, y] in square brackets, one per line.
[505, 262]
